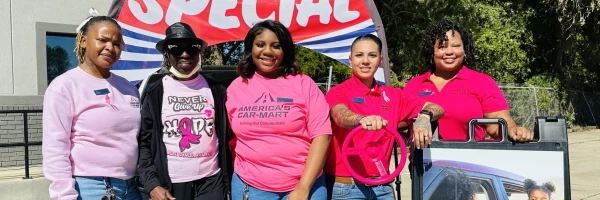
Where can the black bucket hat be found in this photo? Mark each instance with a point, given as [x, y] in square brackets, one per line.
[178, 30]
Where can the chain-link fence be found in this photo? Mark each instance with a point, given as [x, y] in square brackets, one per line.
[583, 108]
[527, 102]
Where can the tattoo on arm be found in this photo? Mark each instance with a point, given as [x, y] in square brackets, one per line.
[343, 117]
[437, 111]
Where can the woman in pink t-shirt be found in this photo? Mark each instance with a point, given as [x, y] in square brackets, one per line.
[449, 51]
[280, 119]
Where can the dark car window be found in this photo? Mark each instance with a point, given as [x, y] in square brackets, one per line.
[464, 187]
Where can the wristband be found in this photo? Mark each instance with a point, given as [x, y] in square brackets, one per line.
[428, 113]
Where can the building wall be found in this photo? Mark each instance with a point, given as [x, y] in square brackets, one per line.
[23, 65]
[6, 67]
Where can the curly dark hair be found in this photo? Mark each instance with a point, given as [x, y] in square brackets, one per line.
[246, 67]
[531, 186]
[456, 185]
[437, 32]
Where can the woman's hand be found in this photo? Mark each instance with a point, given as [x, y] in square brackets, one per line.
[298, 194]
[422, 131]
[160, 193]
[373, 123]
[520, 134]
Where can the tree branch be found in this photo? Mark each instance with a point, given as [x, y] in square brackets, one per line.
[231, 50]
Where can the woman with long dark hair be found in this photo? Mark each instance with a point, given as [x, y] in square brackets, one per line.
[280, 120]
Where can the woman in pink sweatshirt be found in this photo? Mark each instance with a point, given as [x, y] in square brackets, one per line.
[91, 120]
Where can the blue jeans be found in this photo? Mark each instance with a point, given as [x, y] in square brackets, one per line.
[93, 188]
[341, 191]
[317, 192]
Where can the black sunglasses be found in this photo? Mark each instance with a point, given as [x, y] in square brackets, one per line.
[177, 50]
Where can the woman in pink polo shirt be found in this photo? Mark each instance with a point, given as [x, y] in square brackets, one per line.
[363, 102]
[280, 119]
[449, 51]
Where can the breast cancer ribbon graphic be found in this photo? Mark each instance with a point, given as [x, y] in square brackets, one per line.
[187, 138]
[373, 151]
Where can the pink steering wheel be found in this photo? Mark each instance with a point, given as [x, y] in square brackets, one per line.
[373, 151]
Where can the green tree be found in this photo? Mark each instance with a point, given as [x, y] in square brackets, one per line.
[316, 65]
[228, 53]
[499, 29]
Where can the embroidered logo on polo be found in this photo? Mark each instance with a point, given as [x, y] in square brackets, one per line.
[134, 102]
[266, 106]
[460, 90]
[190, 129]
[425, 92]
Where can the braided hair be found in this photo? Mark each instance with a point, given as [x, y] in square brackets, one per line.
[80, 52]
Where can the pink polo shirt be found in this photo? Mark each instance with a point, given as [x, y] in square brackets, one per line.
[468, 95]
[392, 104]
[274, 121]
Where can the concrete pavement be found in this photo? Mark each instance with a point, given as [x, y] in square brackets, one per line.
[584, 154]
[584, 160]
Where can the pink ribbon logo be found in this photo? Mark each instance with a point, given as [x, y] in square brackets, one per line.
[185, 125]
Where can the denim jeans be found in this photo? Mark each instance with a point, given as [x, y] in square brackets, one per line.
[317, 192]
[341, 191]
[93, 188]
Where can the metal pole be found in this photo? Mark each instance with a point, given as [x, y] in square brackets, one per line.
[26, 141]
[398, 181]
[590, 108]
[537, 110]
[329, 79]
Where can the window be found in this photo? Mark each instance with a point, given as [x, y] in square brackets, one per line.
[60, 56]
[484, 188]
[514, 191]
[462, 186]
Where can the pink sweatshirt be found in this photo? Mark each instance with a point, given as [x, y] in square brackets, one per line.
[90, 129]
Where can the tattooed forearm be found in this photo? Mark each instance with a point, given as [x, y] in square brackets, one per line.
[343, 117]
[437, 110]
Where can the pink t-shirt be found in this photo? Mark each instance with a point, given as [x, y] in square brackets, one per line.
[468, 95]
[90, 129]
[392, 104]
[275, 121]
[189, 136]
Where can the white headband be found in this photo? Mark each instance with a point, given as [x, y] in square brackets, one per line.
[93, 12]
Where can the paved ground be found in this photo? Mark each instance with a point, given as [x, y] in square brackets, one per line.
[584, 152]
[584, 158]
